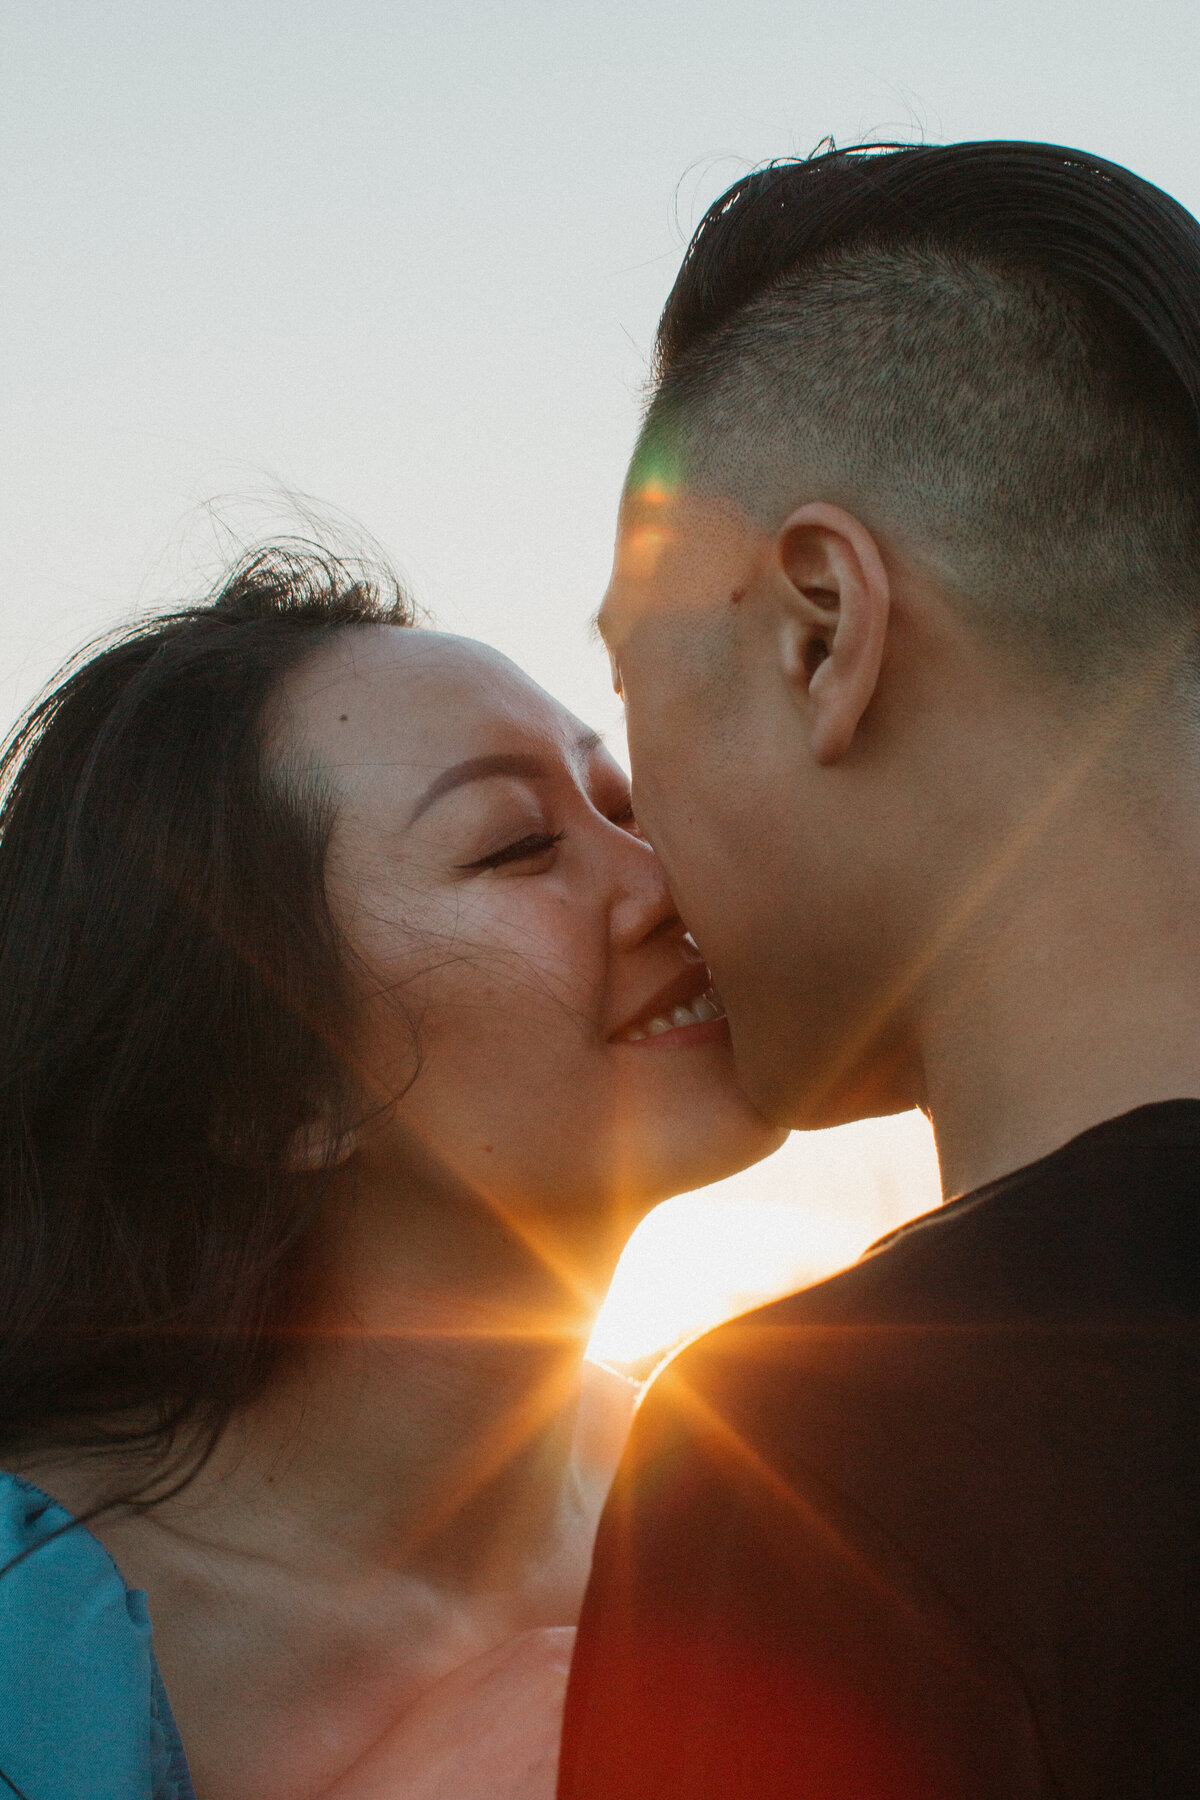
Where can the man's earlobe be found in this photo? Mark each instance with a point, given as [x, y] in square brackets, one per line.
[835, 596]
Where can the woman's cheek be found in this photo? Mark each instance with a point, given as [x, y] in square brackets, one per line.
[503, 992]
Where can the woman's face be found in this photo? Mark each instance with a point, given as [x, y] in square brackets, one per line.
[530, 1011]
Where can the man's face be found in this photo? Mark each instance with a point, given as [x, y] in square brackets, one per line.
[761, 848]
[704, 781]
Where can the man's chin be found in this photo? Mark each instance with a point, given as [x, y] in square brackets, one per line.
[795, 1095]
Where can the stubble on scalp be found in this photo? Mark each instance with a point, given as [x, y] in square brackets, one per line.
[999, 426]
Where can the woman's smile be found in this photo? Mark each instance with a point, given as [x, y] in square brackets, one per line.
[507, 917]
[685, 1012]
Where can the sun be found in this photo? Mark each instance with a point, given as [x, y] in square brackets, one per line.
[808, 1210]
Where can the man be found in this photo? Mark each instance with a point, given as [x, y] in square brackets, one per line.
[906, 612]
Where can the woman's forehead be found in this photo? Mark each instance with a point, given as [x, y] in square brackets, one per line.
[413, 698]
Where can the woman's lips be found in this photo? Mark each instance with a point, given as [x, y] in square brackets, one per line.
[680, 1037]
[697, 1021]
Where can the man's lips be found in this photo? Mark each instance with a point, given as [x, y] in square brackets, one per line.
[685, 1005]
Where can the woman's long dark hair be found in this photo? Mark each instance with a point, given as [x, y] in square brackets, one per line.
[171, 1010]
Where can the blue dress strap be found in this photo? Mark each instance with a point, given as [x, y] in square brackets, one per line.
[83, 1711]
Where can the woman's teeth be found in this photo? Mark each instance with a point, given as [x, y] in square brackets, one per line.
[696, 1012]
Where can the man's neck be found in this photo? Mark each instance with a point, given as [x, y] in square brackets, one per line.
[1075, 995]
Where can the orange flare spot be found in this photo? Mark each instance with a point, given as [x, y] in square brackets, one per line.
[641, 550]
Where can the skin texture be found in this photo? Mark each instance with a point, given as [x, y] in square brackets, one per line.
[571, 940]
[370, 1587]
[924, 867]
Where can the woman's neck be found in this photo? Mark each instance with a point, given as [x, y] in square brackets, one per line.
[424, 1425]
[449, 1457]
[400, 1503]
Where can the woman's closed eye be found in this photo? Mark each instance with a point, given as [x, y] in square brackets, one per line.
[531, 847]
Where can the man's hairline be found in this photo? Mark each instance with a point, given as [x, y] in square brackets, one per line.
[893, 542]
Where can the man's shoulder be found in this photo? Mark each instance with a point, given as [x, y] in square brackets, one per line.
[1106, 1226]
[976, 1450]
[954, 1264]
[818, 1346]
[1074, 1282]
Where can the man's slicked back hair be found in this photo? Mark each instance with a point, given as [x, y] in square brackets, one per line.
[991, 350]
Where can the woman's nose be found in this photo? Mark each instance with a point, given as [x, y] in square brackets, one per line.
[642, 902]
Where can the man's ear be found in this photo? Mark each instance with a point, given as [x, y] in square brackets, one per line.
[835, 599]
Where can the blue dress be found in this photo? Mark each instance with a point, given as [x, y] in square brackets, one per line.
[83, 1711]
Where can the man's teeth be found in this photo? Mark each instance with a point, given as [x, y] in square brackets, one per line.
[705, 1006]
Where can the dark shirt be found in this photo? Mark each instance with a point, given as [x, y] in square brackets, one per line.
[932, 1527]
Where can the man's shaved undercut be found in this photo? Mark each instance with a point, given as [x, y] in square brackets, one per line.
[961, 385]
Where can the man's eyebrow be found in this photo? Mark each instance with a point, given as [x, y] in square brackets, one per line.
[484, 768]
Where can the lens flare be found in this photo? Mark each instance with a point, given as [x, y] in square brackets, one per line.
[805, 1212]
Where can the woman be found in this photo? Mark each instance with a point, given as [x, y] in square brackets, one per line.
[347, 1027]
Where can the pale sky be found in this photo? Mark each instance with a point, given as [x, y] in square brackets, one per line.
[407, 260]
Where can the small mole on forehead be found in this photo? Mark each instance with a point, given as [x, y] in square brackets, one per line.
[343, 717]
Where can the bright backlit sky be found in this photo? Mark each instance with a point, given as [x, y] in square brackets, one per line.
[407, 259]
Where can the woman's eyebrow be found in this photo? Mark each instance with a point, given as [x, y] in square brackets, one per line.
[483, 768]
[477, 768]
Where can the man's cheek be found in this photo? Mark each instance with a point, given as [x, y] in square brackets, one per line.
[653, 773]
